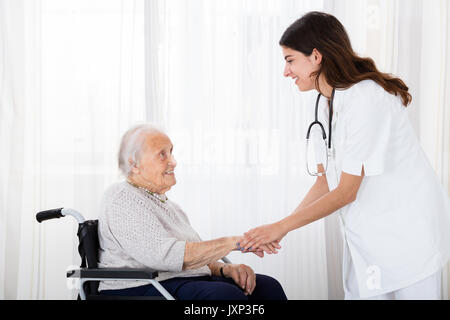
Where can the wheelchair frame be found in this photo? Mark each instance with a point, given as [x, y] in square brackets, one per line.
[92, 273]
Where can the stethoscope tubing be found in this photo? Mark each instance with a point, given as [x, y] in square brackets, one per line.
[324, 135]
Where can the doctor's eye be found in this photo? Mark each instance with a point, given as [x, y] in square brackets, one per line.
[289, 61]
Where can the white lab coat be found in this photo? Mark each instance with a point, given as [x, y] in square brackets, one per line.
[397, 231]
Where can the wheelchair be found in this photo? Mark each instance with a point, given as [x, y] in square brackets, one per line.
[89, 274]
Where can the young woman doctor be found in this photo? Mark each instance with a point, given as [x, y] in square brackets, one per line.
[395, 215]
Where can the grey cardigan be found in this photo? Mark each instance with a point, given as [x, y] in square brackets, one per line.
[136, 230]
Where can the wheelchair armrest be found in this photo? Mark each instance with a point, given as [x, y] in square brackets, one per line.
[110, 273]
[226, 260]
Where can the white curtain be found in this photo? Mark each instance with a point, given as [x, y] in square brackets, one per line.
[72, 81]
[214, 79]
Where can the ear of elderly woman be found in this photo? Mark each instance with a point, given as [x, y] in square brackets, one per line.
[139, 226]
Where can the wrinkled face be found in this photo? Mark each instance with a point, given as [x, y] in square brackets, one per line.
[300, 67]
[156, 165]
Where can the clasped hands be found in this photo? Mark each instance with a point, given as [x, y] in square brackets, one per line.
[263, 239]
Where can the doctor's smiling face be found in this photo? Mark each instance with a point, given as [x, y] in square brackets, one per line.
[301, 68]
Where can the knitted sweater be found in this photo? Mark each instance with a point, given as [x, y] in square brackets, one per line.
[136, 230]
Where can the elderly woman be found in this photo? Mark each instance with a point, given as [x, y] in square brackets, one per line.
[140, 227]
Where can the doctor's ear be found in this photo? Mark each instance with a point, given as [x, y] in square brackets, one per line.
[316, 56]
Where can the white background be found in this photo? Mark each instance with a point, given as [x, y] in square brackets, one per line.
[75, 74]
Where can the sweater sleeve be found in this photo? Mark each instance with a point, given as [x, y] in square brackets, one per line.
[142, 236]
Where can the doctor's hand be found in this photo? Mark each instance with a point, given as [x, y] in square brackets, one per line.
[268, 235]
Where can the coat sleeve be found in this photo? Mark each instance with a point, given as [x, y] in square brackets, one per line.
[367, 122]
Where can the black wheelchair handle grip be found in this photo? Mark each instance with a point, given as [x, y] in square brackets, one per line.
[49, 214]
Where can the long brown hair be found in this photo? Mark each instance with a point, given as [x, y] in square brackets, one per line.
[341, 66]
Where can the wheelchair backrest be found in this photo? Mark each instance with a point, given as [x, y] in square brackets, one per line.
[88, 247]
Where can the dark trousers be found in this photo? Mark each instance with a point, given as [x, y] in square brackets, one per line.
[207, 288]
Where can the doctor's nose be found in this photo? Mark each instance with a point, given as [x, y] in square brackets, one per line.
[287, 70]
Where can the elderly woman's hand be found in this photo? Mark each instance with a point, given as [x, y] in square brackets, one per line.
[268, 248]
[242, 275]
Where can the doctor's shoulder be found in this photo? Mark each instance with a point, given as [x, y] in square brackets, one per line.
[365, 88]
[368, 94]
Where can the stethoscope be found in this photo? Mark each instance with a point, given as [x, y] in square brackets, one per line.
[324, 136]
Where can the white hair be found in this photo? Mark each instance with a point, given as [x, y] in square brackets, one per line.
[131, 145]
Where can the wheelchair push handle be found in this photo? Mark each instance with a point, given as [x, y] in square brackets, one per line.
[58, 213]
[49, 214]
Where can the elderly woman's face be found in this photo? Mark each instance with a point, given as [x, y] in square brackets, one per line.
[157, 163]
